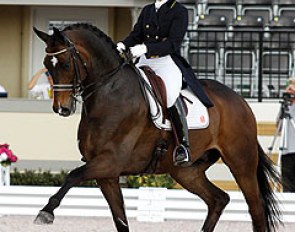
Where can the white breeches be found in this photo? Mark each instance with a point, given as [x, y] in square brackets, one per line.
[165, 68]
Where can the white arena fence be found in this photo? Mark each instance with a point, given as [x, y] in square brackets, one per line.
[144, 204]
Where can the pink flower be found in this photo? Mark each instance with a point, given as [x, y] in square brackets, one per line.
[12, 158]
[7, 153]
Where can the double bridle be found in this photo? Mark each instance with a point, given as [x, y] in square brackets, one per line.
[77, 88]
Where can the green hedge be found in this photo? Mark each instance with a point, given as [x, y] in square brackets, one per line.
[164, 181]
[47, 178]
[42, 178]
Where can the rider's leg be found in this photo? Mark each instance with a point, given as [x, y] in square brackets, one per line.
[178, 119]
[172, 77]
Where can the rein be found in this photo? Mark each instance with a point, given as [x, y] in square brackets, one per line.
[98, 84]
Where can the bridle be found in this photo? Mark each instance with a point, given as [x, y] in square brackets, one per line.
[77, 88]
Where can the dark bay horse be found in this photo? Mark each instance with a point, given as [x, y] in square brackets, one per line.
[116, 136]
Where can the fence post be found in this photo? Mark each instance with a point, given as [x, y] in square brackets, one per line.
[1, 175]
[151, 204]
[4, 175]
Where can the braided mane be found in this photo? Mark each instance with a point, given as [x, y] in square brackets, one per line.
[85, 26]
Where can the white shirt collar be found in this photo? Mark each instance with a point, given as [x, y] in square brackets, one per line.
[158, 3]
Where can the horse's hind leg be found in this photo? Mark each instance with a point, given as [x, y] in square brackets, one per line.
[254, 183]
[250, 189]
[194, 180]
[249, 186]
[113, 194]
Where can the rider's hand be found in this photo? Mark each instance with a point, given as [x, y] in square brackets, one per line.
[138, 50]
[121, 47]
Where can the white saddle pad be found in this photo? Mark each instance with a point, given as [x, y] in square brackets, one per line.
[197, 117]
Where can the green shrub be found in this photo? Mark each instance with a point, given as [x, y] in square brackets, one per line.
[47, 178]
[42, 178]
[164, 181]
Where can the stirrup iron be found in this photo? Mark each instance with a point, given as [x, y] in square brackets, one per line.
[181, 156]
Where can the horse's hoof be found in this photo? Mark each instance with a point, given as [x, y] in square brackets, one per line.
[44, 218]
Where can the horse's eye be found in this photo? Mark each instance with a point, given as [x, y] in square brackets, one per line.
[67, 66]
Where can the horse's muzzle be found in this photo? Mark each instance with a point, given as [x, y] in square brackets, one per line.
[63, 111]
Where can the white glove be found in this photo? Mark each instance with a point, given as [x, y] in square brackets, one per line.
[138, 50]
[121, 47]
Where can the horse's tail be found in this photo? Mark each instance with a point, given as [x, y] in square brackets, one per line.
[268, 176]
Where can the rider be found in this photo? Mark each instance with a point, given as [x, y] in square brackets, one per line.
[156, 39]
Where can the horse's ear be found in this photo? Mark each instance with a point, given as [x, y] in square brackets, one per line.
[58, 36]
[42, 35]
[56, 31]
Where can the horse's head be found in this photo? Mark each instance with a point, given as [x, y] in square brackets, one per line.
[66, 67]
[80, 59]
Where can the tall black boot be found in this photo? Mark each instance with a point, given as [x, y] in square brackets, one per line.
[181, 154]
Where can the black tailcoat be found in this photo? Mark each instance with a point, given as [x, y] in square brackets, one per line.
[162, 32]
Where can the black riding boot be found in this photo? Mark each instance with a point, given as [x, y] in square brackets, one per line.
[181, 154]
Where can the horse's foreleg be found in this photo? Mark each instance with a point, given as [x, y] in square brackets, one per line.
[113, 194]
[46, 215]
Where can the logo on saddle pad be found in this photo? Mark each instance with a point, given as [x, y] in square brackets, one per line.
[197, 117]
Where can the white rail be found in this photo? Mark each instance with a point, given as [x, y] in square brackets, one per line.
[144, 204]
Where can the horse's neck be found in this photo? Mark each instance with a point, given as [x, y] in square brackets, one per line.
[101, 68]
[119, 90]
[116, 84]
[104, 66]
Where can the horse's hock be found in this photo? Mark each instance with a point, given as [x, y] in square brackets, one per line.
[265, 132]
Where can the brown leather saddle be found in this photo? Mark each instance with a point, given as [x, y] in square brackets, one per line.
[159, 89]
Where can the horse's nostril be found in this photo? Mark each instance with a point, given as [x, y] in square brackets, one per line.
[62, 111]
